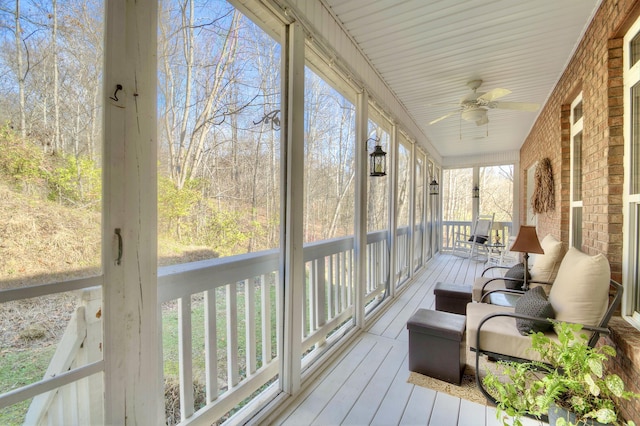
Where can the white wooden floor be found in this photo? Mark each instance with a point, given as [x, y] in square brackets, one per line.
[368, 384]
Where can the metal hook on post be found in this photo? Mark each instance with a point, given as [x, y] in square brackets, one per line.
[119, 235]
[115, 94]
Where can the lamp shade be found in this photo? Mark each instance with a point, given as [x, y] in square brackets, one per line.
[527, 241]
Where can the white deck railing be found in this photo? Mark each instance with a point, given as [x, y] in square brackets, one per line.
[251, 363]
[236, 299]
[453, 230]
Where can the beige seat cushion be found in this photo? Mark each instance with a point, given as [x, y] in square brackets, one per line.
[580, 292]
[545, 266]
[500, 334]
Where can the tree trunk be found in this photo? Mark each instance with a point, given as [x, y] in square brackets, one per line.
[56, 88]
[20, 72]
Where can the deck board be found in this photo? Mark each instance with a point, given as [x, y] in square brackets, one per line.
[341, 403]
[368, 384]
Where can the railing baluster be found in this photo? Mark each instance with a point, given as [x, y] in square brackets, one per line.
[330, 288]
[232, 335]
[306, 308]
[320, 295]
[250, 325]
[210, 345]
[341, 259]
[279, 297]
[185, 356]
[265, 296]
[349, 277]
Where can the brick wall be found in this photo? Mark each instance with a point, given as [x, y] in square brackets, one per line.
[596, 71]
[626, 341]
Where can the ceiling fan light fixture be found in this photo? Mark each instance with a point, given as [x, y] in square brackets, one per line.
[475, 115]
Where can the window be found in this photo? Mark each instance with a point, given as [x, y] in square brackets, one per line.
[457, 205]
[51, 78]
[329, 158]
[378, 249]
[496, 188]
[575, 215]
[378, 188]
[219, 191]
[631, 187]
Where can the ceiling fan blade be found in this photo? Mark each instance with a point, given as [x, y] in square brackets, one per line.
[518, 106]
[493, 95]
[443, 117]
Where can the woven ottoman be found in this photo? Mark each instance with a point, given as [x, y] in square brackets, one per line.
[437, 347]
[452, 297]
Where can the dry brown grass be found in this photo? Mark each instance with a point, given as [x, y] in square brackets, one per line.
[43, 242]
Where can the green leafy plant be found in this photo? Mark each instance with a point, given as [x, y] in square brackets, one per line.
[571, 376]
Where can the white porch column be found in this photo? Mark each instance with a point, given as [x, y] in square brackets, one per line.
[133, 390]
[393, 208]
[292, 266]
[412, 206]
[362, 119]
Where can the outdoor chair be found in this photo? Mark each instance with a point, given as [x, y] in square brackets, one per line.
[474, 246]
[543, 272]
[582, 293]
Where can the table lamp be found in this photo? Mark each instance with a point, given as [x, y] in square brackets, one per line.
[527, 242]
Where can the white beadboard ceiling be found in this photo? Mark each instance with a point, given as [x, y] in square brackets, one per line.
[427, 51]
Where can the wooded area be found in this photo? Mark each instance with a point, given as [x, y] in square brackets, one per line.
[218, 124]
[496, 193]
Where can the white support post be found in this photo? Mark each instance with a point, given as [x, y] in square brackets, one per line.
[412, 207]
[292, 261]
[133, 390]
[475, 201]
[360, 253]
[393, 208]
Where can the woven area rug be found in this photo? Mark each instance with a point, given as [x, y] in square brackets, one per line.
[467, 389]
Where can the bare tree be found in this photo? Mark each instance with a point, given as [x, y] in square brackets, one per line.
[193, 100]
[20, 72]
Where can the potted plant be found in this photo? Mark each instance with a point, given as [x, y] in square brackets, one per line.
[569, 384]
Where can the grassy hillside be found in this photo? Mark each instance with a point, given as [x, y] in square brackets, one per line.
[43, 241]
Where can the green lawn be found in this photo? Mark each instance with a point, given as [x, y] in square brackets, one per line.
[22, 367]
[18, 369]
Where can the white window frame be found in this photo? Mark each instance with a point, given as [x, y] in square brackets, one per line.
[630, 200]
[532, 218]
[576, 127]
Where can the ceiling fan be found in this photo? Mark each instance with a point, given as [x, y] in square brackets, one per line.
[475, 106]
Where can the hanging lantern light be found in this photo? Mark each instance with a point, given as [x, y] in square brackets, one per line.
[377, 162]
[475, 192]
[434, 188]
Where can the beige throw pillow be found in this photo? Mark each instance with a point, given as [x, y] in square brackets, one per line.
[545, 266]
[580, 292]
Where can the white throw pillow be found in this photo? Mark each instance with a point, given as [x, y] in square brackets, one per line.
[580, 292]
[545, 266]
